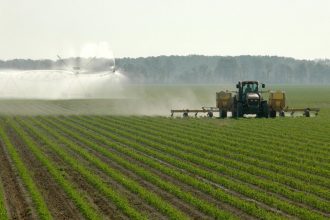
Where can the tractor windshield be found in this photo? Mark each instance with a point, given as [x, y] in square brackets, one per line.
[250, 87]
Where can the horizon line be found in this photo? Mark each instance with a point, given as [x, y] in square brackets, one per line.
[187, 55]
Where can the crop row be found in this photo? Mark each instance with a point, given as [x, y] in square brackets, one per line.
[58, 176]
[300, 197]
[229, 149]
[265, 137]
[173, 165]
[313, 130]
[202, 205]
[93, 179]
[248, 207]
[273, 153]
[300, 143]
[3, 210]
[26, 177]
[170, 159]
[134, 187]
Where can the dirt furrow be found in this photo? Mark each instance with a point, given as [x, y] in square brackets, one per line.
[18, 204]
[191, 211]
[177, 202]
[165, 195]
[101, 203]
[186, 208]
[134, 199]
[58, 203]
[240, 182]
[107, 208]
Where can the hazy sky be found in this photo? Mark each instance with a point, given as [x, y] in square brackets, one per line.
[43, 28]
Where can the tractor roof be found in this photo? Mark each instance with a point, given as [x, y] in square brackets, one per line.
[248, 82]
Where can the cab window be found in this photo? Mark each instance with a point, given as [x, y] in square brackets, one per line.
[250, 87]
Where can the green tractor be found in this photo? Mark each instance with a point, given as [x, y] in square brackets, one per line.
[248, 100]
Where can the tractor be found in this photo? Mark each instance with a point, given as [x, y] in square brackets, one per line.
[248, 100]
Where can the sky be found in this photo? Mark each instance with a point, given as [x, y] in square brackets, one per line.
[41, 29]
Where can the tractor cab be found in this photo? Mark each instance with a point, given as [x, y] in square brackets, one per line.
[248, 88]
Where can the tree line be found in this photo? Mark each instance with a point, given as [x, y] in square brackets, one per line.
[199, 69]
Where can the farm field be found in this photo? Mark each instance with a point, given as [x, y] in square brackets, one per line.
[156, 100]
[101, 166]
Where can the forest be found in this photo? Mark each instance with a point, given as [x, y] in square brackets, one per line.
[195, 69]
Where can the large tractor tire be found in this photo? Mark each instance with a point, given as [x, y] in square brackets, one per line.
[240, 110]
[307, 113]
[234, 111]
[272, 114]
[263, 111]
[237, 110]
[223, 114]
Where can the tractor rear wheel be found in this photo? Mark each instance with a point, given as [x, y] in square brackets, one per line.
[307, 113]
[234, 112]
[240, 110]
[272, 114]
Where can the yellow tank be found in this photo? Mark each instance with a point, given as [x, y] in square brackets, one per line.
[276, 100]
[224, 100]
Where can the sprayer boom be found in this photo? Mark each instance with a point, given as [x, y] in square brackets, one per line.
[248, 100]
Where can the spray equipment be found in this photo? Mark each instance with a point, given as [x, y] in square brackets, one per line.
[248, 100]
[80, 65]
[89, 58]
[90, 73]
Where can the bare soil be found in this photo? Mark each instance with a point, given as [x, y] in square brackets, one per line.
[186, 208]
[101, 203]
[18, 205]
[57, 201]
[112, 211]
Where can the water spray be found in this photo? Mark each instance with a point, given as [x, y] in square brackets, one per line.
[80, 77]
